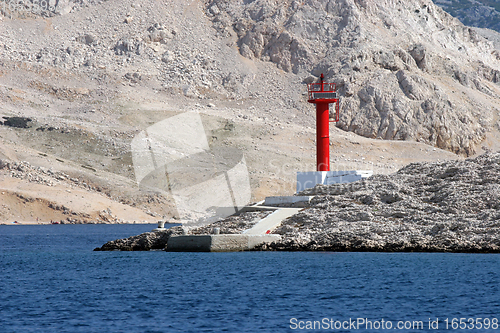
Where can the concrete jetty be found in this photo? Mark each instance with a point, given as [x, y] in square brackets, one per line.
[260, 233]
[218, 243]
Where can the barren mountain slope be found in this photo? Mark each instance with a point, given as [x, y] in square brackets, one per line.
[407, 70]
[94, 75]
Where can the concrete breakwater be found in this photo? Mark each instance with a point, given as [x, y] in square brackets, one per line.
[451, 206]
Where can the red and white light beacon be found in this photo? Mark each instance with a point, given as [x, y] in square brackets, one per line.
[323, 94]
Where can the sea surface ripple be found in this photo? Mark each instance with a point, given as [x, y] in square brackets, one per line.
[52, 281]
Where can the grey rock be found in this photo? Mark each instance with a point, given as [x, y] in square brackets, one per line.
[167, 57]
[87, 39]
[310, 79]
[63, 7]
[159, 33]
[419, 53]
[128, 46]
[133, 77]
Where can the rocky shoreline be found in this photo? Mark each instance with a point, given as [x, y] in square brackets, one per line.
[451, 206]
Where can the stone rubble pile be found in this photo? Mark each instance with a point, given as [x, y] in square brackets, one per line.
[40, 175]
[447, 206]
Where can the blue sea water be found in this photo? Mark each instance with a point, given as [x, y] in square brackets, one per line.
[52, 281]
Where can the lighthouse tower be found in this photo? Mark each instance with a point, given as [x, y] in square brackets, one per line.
[323, 94]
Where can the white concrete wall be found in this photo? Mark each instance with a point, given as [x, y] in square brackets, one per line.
[310, 179]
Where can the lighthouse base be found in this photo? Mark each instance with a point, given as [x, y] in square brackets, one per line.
[310, 179]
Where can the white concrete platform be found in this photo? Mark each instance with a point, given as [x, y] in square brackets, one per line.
[271, 222]
[288, 201]
[218, 243]
[310, 179]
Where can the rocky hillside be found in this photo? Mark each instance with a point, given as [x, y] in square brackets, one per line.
[406, 70]
[474, 13]
[91, 75]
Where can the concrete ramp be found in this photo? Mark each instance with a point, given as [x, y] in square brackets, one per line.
[272, 221]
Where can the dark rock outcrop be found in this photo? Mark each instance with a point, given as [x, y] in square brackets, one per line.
[154, 240]
[19, 122]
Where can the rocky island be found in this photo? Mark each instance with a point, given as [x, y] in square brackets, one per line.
[451, 206]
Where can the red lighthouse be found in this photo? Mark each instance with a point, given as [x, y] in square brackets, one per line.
[322, 94]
